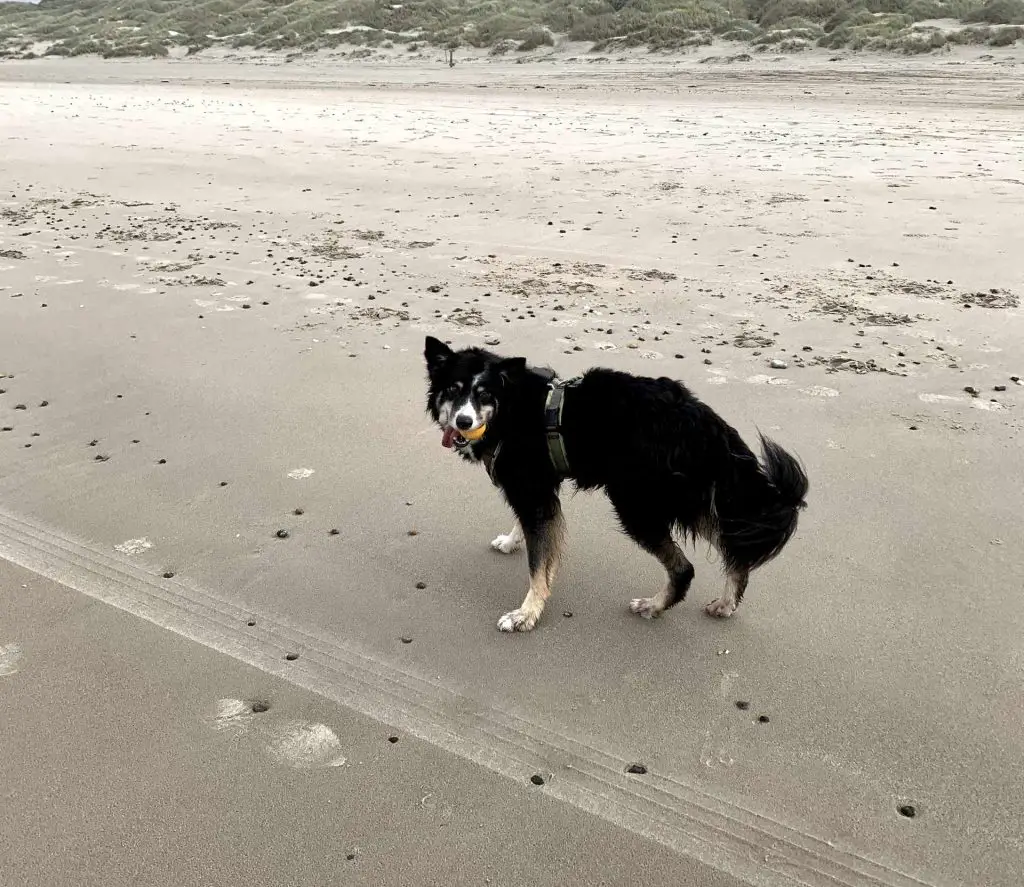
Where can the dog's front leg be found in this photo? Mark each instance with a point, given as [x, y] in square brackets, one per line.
[544, 529]
[511, 542]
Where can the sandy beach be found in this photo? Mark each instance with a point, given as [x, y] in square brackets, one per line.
[215, 280]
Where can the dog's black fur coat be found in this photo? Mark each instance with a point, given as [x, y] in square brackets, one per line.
[666, 461]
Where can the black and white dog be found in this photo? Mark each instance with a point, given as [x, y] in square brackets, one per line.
[666, 461]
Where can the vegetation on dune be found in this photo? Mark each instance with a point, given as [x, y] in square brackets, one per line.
[157, 27]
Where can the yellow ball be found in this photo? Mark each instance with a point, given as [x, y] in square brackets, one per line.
[475, 434]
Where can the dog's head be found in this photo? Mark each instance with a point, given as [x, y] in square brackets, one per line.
[466, 390]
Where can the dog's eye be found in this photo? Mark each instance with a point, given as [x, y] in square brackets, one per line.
[452, 391]
[484, 397]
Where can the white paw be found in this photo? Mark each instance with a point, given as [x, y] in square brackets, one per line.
[723, 608]
[518, 620]
[645, 606]
[505, 544]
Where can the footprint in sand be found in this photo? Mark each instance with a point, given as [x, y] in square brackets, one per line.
[819, 391]
[233, 715]
[305, 746]
[763, 379]
[298, 744]
[939, 398]
[10, 659]
[134, 546]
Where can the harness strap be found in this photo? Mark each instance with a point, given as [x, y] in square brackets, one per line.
[553, 424]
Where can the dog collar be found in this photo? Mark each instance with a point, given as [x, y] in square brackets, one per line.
[553, 423]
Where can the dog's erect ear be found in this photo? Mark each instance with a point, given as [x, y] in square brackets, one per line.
[436, 353]
[511, 368]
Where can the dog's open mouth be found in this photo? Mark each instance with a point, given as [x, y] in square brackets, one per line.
[452, 438]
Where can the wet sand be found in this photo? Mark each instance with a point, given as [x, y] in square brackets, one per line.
[199, 354]
[163, 780]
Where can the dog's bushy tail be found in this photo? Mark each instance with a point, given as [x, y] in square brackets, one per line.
[756, 531]
[785, 474]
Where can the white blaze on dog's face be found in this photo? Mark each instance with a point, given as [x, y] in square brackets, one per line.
[465, 406]
[476, 407]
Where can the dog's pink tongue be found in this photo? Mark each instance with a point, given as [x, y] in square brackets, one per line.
[448, 437]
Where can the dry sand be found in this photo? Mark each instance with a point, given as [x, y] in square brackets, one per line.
[199, 353]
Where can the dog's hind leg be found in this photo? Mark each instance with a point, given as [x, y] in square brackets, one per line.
[680, 575]
[653, 533]
[544, 529]
[736, 584]
[511, 542]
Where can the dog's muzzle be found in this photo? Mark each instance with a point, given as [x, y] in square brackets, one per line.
[453, 438]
